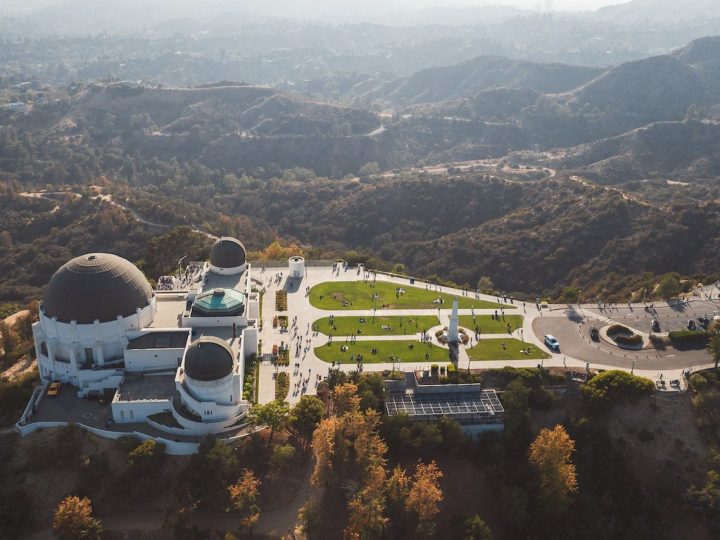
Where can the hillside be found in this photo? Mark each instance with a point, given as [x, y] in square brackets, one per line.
[681, 150]
[474, 76]
[230, 126]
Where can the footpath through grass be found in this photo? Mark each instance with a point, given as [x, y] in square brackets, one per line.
[346, 295]
[492, 349]
[387, 352]
[488, 325]
[375, 326]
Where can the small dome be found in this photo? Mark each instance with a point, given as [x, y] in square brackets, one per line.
[219, 303]
[227, 253]
[96, 286]
[208, 359]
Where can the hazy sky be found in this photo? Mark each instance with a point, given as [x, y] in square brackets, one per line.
[575, 5]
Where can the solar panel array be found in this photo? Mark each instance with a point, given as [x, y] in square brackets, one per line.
[485, 403]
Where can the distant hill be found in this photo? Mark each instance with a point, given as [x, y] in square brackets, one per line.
[665, 11]
[480, 74]
[233, 126]
[678, 150]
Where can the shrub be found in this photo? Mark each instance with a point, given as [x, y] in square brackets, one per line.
[618, 329]
[282, 386]
[689, 336]
[615, 385]
[635, 339]
[698, 381]
[282, 456]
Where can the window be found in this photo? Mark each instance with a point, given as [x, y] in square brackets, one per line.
[89, 356]
[44, 349]
[132, 414]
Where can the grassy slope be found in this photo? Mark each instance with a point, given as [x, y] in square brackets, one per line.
[373, 326]
[358, 295]
[399, 349]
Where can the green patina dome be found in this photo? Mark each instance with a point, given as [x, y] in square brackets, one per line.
[219, 303]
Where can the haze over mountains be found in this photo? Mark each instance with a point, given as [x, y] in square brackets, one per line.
[248, 115]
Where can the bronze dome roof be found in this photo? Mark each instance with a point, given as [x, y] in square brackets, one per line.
[96, 286]
[227, 253]
[208, 359]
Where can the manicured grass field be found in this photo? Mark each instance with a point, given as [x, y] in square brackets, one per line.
[399, 349]
[488, 325]
[491, 349]
[373, 326]
[343, 295]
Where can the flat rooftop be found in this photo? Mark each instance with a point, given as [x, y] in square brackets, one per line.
[484, 403]
[138, 388]
[160, 339]
[170, 308]
[218, 281]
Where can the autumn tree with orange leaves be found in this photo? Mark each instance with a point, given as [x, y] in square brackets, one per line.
[424, 497]
[551, 454]
[243, 496]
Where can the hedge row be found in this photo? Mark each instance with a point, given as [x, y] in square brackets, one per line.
[689, 336]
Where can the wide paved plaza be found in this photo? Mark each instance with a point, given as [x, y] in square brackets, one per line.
[376, 322]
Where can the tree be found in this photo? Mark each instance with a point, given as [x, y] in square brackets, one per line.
[345, 399]
[273, 415]
[668, 287]
[310, 518]
[425, 496]
[714, 347]
[282, 456]
[485, 285]
[369, 169]
[243, 497]
[367, 508]
[615, 386]
[73, 520]
[551, 454]
[305, 417]
[475, 528]
[146, 457]
[397, 488]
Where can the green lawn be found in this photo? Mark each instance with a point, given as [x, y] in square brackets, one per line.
[491, 349]
[343, 295]
[373, 326]
[490, 326]
[400, 349]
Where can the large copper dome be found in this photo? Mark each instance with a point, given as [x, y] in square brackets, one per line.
[96, 286]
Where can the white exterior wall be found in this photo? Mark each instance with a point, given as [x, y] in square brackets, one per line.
[220, 391]
[152, 359]
[296, 266]
[69, 341]
[205, 322]
[228, 271]
[125, 412]
[249, 344]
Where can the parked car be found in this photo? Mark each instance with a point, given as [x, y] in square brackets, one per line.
[704, 322]
[552, 343]
[53, 389]
[691, 325]
[594, 334]
[655, 325]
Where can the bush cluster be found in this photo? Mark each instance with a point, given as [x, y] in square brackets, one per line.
[689, 336]
[616, 385]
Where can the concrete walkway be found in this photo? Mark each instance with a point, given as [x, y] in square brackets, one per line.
[305, 366]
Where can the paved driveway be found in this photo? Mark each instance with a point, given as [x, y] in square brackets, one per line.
[575, 342]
